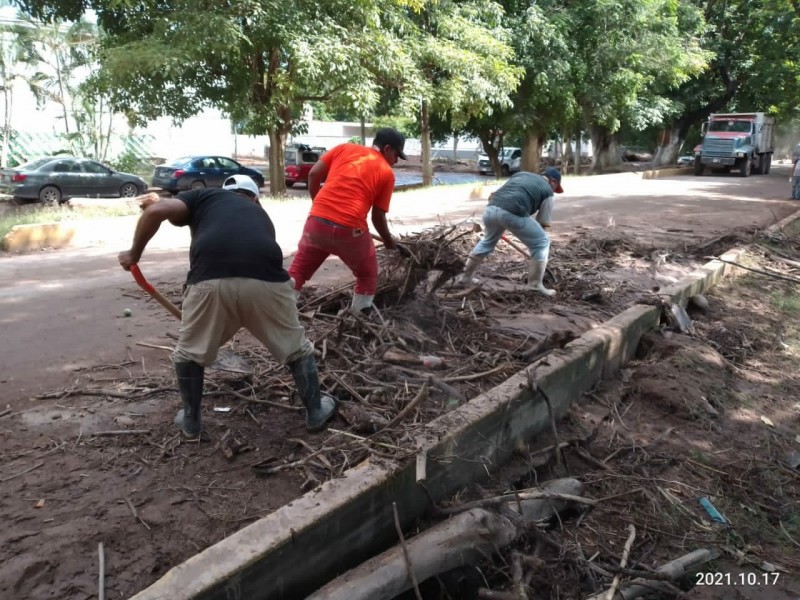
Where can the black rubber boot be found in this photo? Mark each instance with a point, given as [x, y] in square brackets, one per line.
[190, 384]
[319, 406]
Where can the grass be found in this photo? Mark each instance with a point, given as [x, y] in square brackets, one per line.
[29, 215]
[785, 303]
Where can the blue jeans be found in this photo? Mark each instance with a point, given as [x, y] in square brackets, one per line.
[796, 189]
[497, 220]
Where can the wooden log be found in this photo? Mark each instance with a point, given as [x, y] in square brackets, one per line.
[392, 355]
[675, 570]
[464, 539]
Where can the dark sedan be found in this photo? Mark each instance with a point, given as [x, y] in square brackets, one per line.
[193, 172]
[56, 179]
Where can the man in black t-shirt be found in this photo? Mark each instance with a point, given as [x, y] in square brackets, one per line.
[236, 279]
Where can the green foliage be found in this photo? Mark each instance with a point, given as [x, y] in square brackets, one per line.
[16, 152]
[627, 53]
[462, 59]
[496, 70]
[405, 125]
[132, 161]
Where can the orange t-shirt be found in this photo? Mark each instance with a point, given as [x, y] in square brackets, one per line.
[358, 179]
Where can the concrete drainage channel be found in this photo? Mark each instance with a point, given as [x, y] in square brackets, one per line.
[297, 549]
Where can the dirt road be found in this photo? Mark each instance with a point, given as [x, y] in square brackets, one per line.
[63, 309]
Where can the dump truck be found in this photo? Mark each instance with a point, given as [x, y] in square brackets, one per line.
[741, 141]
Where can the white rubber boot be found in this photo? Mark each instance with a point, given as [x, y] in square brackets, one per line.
[536, 269]
[473, 262]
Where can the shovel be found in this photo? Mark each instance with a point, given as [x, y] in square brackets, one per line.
[226, 360]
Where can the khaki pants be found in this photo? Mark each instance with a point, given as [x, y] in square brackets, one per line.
[214, 310]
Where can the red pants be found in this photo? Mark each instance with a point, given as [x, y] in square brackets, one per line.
[353, 246]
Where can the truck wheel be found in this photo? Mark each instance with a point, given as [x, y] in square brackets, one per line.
[762, 165]
[745, 164]
[506, 170]
[769, 163]
[698, 166]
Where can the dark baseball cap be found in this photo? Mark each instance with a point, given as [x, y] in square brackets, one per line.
[388, 136]
[553, 173]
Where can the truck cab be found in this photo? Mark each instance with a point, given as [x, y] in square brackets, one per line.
[742, 141]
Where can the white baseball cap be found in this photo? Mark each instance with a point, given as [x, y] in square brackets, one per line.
[241, 182]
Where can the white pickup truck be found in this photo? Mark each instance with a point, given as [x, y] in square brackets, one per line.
[510, 161]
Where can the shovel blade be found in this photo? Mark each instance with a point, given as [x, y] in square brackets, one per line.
[231, 362]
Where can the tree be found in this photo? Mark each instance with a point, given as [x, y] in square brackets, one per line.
[15, 53]
[62, 57]
[256, 62]
[545, 101]
[463, 65]
[624, 52]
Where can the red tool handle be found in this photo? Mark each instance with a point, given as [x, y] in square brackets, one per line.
[145, 285]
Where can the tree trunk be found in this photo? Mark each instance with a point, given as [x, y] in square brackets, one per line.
[566, 155]
[578, 135]
[605, 146]
[466, 538]
[363, 131]
[427, 166]
[8, 97]
[531, 151]
[277, 143]
[62, 92]
[106, 139]
[277, 183]
[668, 152]
[455, 147]
[491, 142]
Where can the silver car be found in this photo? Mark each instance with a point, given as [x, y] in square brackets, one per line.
[56, 179]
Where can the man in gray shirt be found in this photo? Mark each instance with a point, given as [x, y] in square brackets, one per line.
[511, 208]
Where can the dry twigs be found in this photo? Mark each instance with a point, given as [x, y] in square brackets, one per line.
[402, 538]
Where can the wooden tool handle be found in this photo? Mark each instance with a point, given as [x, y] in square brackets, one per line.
[516, 246]
[154, 293]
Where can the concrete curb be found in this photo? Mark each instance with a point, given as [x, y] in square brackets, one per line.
[302, 545]
[25, 238]
[656, 173]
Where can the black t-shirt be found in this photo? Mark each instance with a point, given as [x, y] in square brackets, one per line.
[231, 237]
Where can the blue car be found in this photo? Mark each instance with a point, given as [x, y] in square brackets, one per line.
[194, 172]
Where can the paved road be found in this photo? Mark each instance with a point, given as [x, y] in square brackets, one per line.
[63, 309]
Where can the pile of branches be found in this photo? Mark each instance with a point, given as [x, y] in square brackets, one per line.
[436, 256]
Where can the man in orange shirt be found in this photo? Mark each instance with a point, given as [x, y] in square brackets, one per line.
[357, 179]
